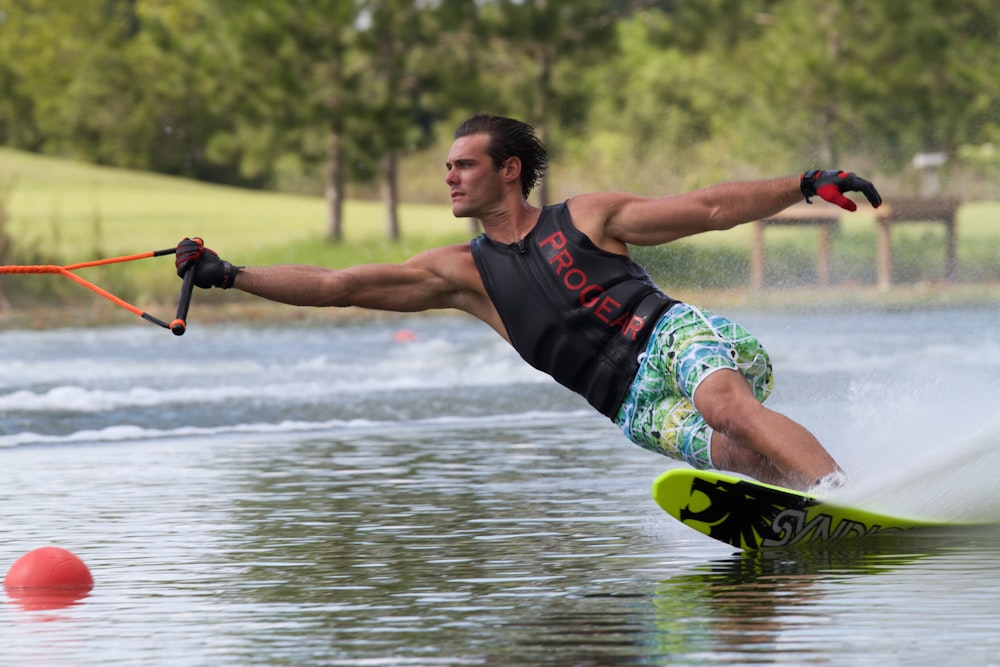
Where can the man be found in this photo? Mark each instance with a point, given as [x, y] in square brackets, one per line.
[558, 284]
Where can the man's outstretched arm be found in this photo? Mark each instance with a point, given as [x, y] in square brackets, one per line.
[395, 287]
[421, 283]
[652, 221]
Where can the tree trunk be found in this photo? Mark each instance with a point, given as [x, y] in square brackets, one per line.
[541, 110]
[390, 195]
[333, 189]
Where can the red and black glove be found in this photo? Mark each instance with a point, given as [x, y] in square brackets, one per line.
[209, 269]
[831, 184]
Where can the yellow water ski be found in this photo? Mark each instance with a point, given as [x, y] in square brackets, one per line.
[751, 515]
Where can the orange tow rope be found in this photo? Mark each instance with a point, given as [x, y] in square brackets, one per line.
[178, 326]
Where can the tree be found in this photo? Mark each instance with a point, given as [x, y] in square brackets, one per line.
[105, 81]
[882, 79]
[291, 86]
[641, 92]
[659, 108]
[17, 121]
[53, 53]
[543, 45]
[426, 61]
[938, 75]
[176, 60]
[399, 39]
[718, 86]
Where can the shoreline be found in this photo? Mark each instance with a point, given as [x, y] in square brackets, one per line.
[241, 308]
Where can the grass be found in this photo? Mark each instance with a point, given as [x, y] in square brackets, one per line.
[68, 207]
[61, 211]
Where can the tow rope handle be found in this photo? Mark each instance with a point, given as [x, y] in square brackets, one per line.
[179, 325]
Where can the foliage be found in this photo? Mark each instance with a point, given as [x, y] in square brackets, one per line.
[647, 95]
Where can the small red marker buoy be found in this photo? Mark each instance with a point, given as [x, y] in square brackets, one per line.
[49, 567]
[404, 336]
[48, 578]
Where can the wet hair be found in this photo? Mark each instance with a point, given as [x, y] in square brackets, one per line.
[510, 138]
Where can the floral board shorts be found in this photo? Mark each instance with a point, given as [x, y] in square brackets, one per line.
[687, 345]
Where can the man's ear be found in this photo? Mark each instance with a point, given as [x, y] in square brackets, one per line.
[511, 169]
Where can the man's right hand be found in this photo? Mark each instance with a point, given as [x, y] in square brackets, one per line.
[188, 253]
[209, 269]
[831, 184]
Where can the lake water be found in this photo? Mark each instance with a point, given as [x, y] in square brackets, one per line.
[408, 492]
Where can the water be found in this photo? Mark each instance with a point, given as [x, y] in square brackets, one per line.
[344, 496]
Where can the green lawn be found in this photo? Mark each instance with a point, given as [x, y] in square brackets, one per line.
[71, 208]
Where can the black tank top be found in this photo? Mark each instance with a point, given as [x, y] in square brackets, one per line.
[577, 312]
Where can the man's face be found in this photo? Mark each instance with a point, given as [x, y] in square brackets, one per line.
[475, 184]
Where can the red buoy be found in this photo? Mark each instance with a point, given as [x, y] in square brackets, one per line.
[404, 336]
[49, 567]
[48, 578]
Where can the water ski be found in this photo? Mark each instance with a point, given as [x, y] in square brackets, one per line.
[751, 515]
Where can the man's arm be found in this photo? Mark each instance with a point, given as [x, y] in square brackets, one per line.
[637, 220]
[436, 278]
[643, 221]
[395, 287]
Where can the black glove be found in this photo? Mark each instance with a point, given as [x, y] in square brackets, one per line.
[188, 252]
[831, 184]
[209, 269]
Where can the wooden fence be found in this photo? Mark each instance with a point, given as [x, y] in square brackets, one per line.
[825, 217]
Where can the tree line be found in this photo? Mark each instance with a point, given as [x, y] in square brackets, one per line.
[641, 93]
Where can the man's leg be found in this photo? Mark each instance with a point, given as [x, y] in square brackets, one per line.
[751, 439]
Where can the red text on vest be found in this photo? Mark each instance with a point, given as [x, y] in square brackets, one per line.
[591, 295]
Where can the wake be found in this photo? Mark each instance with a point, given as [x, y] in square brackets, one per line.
[919, 455]
[961, 485]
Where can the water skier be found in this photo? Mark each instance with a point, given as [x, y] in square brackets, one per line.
[558, 284]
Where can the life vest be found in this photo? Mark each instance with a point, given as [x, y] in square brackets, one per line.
[577, 312]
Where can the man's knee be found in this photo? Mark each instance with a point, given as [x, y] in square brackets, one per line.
[725, 402]
[732, 418]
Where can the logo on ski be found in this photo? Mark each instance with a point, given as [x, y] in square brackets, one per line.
[751, 516]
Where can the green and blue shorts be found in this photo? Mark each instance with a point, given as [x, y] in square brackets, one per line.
[687, 345]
